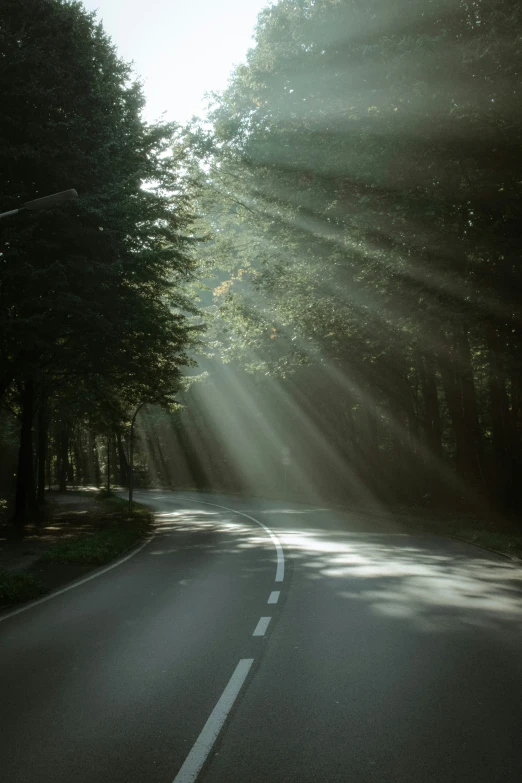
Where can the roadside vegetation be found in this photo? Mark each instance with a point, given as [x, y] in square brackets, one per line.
[110, 534]
[497, 534]
[18, 586]
[118, 534]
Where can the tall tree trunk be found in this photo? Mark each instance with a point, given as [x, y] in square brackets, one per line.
[115, 467]
[499, 412]
[71, 474]
[165, 480]
[43, 425]
[516, 399]
[96, 459]
[453, 395]
[124, 464]
[108, 465]
[469, 403]
[192, 459]
[89, 458]
[516, 429]
[83, 457]
[432, 423]
[24, 476]
[458, 391]
[63, 456]
[49, 476]
[152, 460]
[79, 474]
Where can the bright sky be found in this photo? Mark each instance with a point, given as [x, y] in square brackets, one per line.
[180, 48]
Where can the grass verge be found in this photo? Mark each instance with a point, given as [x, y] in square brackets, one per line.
[506, 543]
[110, 540]
[18, 586]
[496, 536]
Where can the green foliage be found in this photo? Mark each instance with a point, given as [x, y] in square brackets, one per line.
[363, 207]
[105, 544]
[91, 290]
[93, 306]
[18, 586]
[475, 530]
[367, 199]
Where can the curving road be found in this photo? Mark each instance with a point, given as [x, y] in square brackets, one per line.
[293, 645]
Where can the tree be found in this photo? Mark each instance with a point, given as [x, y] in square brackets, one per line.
[365, 208]
[91, 294]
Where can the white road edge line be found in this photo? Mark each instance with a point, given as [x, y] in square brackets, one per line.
[280, 571]
[75, 584]
[261, 626]
[210, 732]
[273, 598]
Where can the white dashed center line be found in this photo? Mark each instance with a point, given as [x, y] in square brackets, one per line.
[280, 569]
[210, 732]
[262, 626]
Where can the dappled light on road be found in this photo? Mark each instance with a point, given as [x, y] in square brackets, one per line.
[435, 584]
[424, 583]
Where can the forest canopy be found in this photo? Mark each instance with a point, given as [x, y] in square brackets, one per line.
[363, 205]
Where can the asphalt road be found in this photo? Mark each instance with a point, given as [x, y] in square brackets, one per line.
[321, 647]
